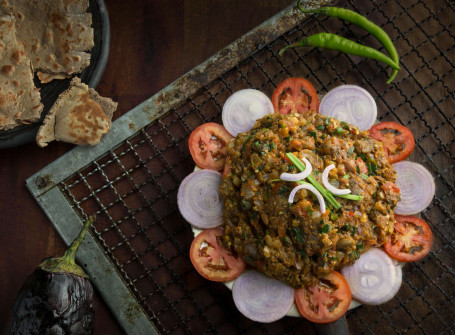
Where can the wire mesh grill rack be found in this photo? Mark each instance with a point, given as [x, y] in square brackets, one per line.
[132, 185]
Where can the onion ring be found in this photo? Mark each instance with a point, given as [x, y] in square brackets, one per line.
[243, 108]
[298, 176]
[330, 187]
[352, 104]
[309, 188]
[198, 199]
[261, 298]
[374, 278]
[416, 185]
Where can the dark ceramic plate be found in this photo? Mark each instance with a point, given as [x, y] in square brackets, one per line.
[50, 92]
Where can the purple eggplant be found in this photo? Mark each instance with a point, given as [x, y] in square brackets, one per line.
[57, 298]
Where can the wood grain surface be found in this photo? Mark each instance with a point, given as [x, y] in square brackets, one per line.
[153, 43]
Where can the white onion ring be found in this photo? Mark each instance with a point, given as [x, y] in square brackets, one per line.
[198, 199]
[330, 187]
[261, 298]
[243, 108]
[309, 188]
[298, 176]
[352, 104]
[416, 185]
[374, 278]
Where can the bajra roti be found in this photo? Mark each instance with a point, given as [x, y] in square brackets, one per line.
[56, 35]
[79, 116]
[19, 98]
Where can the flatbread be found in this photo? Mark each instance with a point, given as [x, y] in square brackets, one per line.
[19, 98]
[56, 35]
[79, 116]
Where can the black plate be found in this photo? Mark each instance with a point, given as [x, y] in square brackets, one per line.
[50, 92]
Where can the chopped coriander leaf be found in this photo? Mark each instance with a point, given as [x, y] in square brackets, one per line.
[313, 134]
[351, 150]
[272, 146]
[297, 234]
[283, 189]
[288, 139]
[321, 127]
[340, 131]
[325, 229]
[309, 210]
[245, 204]
[327, 120]
[286, 241]
[244, 143]
[302, 253]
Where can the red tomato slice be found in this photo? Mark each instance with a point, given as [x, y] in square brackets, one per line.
[208, 145]
[411, 240]
[397, 139]
[325, 302]
[212, 259]
[295, 95]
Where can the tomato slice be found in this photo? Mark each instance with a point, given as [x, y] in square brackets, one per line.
[397, 139]
[208, 145]
[212, 259]
[326, 301]
[295, 95]
[411, 240]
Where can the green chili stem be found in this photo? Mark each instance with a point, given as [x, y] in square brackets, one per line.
[326, 194]
[362, 22]
[335, 42]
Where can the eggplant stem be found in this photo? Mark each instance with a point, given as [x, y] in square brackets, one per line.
[70, 254]
[67, 263]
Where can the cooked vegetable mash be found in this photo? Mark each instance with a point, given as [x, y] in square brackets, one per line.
[294, 242]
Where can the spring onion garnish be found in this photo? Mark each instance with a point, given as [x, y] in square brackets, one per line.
[326, 194]
[309, 187]
[330, 187]
[298, 176]
[351, 196]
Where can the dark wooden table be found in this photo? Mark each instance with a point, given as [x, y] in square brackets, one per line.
[153, 42]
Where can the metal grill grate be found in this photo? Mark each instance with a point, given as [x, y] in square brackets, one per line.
[132, 187]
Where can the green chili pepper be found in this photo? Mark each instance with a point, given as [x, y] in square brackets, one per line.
[364, 23]
[335, 42]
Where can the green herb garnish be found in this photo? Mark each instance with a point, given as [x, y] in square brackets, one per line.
[325, 229]
[325, 193]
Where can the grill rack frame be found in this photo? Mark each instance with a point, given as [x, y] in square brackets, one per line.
[69, 188]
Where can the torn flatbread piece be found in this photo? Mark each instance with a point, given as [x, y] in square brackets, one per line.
[79, 116]
[19, 98]
[56, 35]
